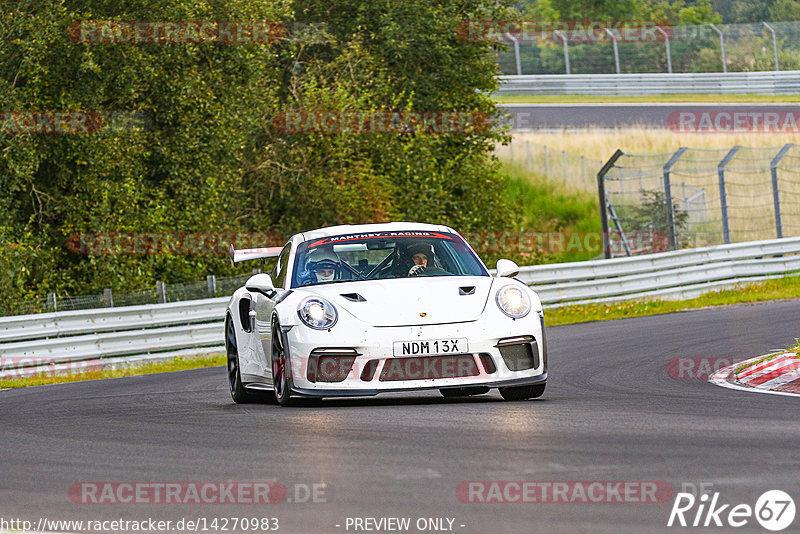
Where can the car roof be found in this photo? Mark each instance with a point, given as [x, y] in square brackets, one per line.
[377, 227]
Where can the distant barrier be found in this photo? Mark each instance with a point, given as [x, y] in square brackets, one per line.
[762, 83]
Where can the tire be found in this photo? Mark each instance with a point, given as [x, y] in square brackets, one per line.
[522, 392]
[463, 392]
[238, 392]
[281, 368]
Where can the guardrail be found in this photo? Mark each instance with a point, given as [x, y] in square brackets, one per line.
[763, 83]
[679, 273]
[31, 343]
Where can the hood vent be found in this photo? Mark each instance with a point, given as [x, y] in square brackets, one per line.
[354, 297]
[466, 290]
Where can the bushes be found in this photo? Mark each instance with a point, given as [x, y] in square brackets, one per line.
[210, 158]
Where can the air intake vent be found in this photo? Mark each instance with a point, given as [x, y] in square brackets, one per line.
[466, 290]
[354, 297]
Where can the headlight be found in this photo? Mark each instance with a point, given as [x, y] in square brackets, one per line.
[317, 313]
[513, 301]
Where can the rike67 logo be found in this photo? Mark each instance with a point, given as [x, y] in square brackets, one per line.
[774, 510]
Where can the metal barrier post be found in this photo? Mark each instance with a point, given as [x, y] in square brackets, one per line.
[721, 46]
[774, 44]
[666, 41]
[211, 281]
[566, 50]
[773, 167]
[673, 240]
[616, 49]
[723, 198]
[108, 298]
[601, 191]
[161, 290]
[516, 52]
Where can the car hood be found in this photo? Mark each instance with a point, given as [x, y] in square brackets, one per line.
[410, 301]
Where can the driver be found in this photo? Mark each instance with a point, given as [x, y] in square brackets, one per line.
[420, 254]
[322, 265]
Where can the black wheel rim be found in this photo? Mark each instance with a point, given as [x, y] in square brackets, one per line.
[233, 360]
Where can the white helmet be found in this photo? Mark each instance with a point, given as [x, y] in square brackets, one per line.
[326, 264]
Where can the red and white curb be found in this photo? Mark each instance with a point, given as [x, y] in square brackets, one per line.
[778, 375]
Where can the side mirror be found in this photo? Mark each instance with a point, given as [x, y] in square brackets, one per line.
[261, 283]
[506, 268]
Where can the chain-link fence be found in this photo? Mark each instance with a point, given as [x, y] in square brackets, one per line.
[160, 293]
[698, 197]
[573, 170]
[707, 48]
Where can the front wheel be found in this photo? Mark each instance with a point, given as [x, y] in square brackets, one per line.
[522, 392]
[281, 369]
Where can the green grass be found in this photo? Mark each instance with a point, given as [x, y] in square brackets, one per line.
[588, 99]
[552, 214]
[177, 364]
[781, 288]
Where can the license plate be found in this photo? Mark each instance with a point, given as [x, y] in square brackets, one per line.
[431, 347]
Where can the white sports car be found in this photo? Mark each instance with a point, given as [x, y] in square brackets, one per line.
[367, 309]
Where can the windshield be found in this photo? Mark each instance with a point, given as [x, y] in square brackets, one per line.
[383, 255]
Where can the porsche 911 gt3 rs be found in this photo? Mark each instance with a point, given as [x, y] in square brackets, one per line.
[366, 309]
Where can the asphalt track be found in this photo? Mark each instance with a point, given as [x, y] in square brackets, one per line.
[528, 117]
[611, 412]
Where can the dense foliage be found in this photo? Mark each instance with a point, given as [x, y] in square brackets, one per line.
[208, 156]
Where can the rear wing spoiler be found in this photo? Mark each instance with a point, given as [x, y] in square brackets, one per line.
[245, 254]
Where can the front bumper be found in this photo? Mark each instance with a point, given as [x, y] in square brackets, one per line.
[357, 360]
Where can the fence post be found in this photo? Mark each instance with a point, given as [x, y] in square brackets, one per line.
[601, 192]
[666, 41]
[161, 291]
[773, 167]
[723, 198]
[616, 49]
[516, 52]
[108, 298]
[673, 239]
[721, 46]
[211, 280]
[546, 162]
[566, 50]
[52, 300]
[583, 170]
[774, 44]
